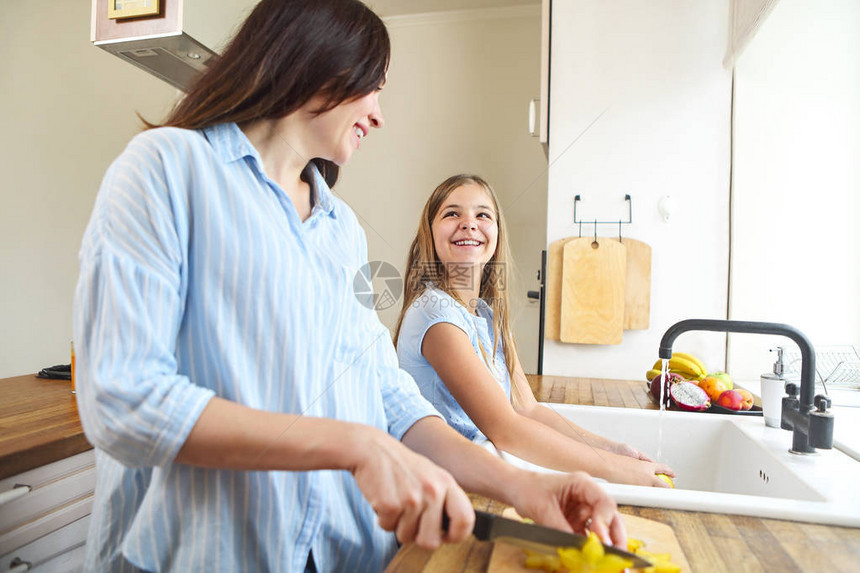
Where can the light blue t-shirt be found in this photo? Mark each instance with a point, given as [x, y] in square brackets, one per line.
[432, 307]
[199, 279]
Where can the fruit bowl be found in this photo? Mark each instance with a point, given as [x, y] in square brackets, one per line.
[713, 409]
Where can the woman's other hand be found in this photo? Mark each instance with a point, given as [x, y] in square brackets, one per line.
[570, 502]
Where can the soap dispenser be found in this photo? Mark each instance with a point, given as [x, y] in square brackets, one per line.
[772, 391]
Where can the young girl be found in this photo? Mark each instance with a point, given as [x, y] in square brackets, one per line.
[247, 412]
[454, 337]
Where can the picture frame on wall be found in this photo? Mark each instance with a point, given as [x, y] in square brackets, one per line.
[121, 9]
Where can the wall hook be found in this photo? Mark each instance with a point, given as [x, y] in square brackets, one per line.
[666, 206]
[629, 220]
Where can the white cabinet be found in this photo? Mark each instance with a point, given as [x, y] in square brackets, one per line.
[44, 529]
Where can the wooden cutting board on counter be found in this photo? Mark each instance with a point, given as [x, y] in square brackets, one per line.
[593, 281]
[658, 538]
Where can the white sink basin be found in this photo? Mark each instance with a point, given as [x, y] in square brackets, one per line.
[728, 464]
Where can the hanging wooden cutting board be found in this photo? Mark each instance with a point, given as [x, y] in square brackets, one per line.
[593, 288]
[552, 306]
[637, 288]
[658, 538]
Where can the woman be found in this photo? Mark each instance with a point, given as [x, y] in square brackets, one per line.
[454, 337]
[227, 374]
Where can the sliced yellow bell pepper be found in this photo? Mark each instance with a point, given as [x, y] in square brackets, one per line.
[592, 558]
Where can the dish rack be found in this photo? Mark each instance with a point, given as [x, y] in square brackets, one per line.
[835, 366]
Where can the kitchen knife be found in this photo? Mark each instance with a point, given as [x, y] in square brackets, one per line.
[491, 527]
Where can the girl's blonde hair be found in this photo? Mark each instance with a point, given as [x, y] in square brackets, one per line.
[423, 265]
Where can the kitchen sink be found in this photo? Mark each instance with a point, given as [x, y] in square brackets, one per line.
[727, 464]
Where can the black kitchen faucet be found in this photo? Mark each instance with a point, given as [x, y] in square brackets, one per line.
[811, 429]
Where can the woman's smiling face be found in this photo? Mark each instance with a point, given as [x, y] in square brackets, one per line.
[466, 229]
[338, 132]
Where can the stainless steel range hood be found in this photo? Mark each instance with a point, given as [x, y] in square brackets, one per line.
[174, 45]
[176, 59]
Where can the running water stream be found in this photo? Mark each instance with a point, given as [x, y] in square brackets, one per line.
[664, 375]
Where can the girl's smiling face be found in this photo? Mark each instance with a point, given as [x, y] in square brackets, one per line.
[466, 229]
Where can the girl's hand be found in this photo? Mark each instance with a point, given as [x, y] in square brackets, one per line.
[629, 451]
[570, 502]
[626, 469]
[409, 493]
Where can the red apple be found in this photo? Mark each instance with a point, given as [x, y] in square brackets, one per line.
[731, 399]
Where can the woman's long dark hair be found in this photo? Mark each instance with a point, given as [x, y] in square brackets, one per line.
[286, 52]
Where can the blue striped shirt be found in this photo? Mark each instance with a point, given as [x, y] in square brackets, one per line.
[199, 279]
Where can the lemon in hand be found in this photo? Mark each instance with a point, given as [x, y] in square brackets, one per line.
[667, 479]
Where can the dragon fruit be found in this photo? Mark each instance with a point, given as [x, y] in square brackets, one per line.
[689, 397]
[671, 379]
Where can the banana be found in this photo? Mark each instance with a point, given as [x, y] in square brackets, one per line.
[682, 366]
[685, 375]
[685, 365]
[692, 359]
[651, 374]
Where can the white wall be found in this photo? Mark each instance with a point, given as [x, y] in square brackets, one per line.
[655, 69]
[456, 101]
[797, 180]
[68, 111]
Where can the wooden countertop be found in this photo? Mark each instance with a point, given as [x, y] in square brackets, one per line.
[711, 542]
[39, 423]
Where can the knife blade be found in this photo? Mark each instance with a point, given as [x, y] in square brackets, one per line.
[491, 527]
